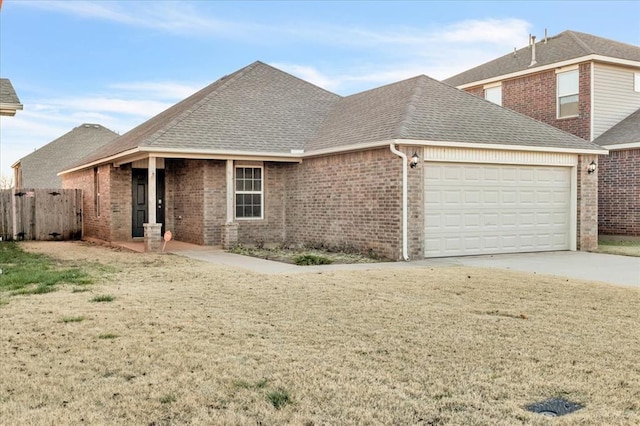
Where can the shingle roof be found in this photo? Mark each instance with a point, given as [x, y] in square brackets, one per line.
[565, 46]
[425, 109]
[258, 108]
[40, 168]
[7, 92]
[8, 96]
[262, 110]
[626, 131]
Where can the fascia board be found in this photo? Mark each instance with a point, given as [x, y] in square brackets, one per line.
[596, 58]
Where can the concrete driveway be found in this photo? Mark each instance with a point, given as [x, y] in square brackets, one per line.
[613, 269]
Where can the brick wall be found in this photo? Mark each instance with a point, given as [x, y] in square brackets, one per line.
[215, 205]
[184, 188]
[120, 203]
[351, 199]
[619, 193]
[587, 189]
[114, 221]
[534, 95]
[271, 228]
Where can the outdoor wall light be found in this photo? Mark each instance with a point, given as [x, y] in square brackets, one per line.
[592, 167]
[414, 160]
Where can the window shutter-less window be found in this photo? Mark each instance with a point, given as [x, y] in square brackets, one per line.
[568, 89]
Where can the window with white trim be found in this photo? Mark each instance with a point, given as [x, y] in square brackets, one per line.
[568, 89]
[249, 193]
[636, 81]
[494, 94]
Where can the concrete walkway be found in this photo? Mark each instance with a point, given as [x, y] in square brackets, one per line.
[612, 269]
[608, 268]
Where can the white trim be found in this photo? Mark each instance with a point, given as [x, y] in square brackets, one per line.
[236, 192]
[492, 85]
[405, 232]
[128, 156]
[567, 69]
[500, 147]
[483, 156]
[573, 213]
[143, 152]
[565, 95]
[230, 191]
[598, 58]
[592, 124]
[617, 147]
[98, 162]
[152, 201]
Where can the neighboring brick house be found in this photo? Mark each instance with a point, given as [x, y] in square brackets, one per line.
[409, 170]
[584, 85]
[9, 102]
[40, 168]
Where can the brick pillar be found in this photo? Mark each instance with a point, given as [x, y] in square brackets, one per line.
[229, 235]
[152, 237]
[587, 204]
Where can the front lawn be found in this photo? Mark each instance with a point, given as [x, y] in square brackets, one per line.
[179, 341]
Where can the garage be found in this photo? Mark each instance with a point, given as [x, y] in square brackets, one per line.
[473, 209]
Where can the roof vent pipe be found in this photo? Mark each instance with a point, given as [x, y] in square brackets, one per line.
[545, 36]
[533, 51]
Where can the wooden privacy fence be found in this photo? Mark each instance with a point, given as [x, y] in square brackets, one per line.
[41, 214]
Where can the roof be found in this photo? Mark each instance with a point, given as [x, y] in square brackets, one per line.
[258, 108]
[262, 111]
[563, 47]
[424, 109]
[9, 101]
[625, 132]
[39, 169]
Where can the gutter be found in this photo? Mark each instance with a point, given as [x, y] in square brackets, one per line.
[402, 155]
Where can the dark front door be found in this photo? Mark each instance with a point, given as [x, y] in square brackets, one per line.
[140, 188]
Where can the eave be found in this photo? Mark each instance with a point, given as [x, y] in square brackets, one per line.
[574, 61]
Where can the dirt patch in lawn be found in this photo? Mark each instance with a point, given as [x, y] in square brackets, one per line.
[624, 247]
[180, 341]
[305, 256]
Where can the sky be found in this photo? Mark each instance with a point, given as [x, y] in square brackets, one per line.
[119, 63]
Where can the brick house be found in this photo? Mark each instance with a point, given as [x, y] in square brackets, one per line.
[408, 170]
[40, 168]
[584, 85]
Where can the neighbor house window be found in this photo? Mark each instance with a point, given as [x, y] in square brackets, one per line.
[636, 81]
[249, 193]
[493, 94]
[567, 93]
[96, 190]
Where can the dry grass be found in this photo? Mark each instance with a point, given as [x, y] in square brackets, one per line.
[203, 344]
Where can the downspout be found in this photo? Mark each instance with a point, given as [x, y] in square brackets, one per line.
[402, 155]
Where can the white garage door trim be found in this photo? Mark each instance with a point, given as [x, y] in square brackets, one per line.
[485, 208]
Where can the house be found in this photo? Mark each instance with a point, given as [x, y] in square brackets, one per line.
[585, 85]
[40, 168]
[619, 178]
[408, 170]
[9, 102]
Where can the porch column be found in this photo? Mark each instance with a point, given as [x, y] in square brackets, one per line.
[152, 230]
[151, 202]
[229, 191]
[229, 234]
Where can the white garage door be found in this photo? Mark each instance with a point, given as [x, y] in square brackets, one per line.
[485, 208]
